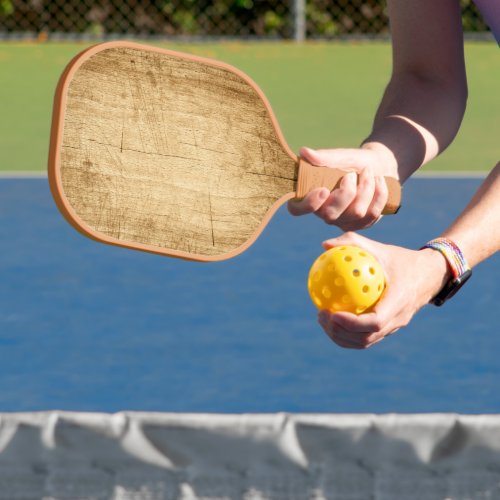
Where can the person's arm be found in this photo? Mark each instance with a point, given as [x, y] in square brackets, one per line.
[414, 277]
[419, 115]
[424, 103]
[477, 230]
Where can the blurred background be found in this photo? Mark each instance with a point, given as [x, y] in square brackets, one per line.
[282, 19]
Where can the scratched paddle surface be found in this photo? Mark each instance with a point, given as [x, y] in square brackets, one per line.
[85, 326]
[173, 154]
[169, 152]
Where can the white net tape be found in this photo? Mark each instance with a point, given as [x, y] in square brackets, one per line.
[155, 456]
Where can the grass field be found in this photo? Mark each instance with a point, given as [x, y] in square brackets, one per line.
[324, 95]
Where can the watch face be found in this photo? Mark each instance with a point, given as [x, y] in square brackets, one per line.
[451, 288]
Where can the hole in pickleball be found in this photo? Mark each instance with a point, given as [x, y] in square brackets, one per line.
[317, 276]
[372, 270]
[348, 258]
[366, 289]
[363, 254]
[379, 287]
[360, 309]
[327, 293]
[346, 299]
[330, 268]
[356, 273]
[339, 281]
[336, 306]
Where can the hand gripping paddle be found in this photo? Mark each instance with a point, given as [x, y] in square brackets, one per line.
[171, 153]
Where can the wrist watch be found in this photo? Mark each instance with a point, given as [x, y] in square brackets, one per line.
[460, 270]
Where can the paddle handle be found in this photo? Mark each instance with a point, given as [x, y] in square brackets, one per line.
[311, 177]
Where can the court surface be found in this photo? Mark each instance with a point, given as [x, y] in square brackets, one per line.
[90, 327]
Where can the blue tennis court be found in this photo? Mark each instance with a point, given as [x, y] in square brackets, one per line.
[89, 327]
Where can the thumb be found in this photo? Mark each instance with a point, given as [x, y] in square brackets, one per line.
[313, 156]
[349, 238]
[352, 159]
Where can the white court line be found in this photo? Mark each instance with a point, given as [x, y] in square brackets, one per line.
[453, 174]
[35, 174]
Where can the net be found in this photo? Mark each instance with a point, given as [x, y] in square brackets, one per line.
[159, 456]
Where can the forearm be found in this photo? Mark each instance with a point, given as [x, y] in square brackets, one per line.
[416, 121]
[424, 103]
[477, 230]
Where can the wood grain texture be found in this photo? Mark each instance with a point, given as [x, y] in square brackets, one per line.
[170, 153]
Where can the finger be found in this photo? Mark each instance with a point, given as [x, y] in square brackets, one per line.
[376, 338]
[339, 199]
[339, 339]
[380, 197]
[366, 209]
[373, 325]
[340, 335]
[357, 225]
[359, 341]
[376, 207]
[362, 340]
[342, 340]
[353, 341]
[362, 324]
[344, 344]
[348, 238]
[338, 157]
[356, 216]
[315, 157]
[371, 343]
[347, 338]
[358, 209]
[311, 203]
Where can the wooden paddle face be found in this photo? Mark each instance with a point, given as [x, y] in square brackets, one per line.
[167, 153]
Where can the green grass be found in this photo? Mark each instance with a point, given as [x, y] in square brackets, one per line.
[324, 95]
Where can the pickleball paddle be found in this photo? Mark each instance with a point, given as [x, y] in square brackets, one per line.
[171, 153]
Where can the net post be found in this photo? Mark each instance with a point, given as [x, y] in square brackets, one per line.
[299, 20]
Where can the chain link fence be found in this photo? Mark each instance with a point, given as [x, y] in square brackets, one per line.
[283, 19]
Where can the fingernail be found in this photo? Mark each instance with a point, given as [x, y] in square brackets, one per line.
[324, 194]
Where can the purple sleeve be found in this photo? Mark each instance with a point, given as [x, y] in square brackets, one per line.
[490, 9]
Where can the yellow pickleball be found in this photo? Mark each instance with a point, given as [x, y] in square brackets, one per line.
[346, 278]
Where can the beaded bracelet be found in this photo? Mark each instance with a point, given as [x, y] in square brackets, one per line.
[452, 254]
[459, 267]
